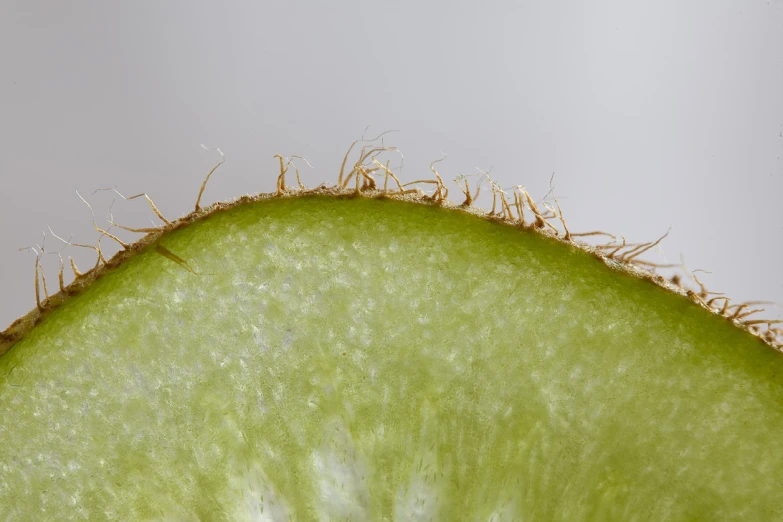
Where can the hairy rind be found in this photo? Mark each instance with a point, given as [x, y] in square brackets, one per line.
[19, 328]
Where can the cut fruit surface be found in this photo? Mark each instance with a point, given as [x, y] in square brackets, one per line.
[333, 358]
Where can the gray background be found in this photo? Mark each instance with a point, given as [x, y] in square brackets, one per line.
[650, 114]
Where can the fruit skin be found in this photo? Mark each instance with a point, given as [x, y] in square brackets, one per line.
[368, 358]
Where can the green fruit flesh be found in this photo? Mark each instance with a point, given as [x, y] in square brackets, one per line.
[365, 359]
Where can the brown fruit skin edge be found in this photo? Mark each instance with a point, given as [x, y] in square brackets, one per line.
[626, 262]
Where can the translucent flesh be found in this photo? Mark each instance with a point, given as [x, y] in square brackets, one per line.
[363, 359]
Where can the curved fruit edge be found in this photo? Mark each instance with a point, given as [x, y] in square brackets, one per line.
[609, 254]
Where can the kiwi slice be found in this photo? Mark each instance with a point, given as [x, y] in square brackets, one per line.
[372, 353]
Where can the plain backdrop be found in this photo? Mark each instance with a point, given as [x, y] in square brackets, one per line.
[650, 114]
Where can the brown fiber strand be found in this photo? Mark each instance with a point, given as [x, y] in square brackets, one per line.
[204, 184]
